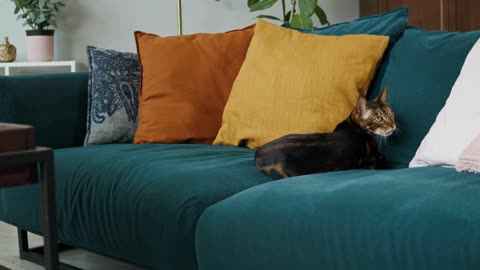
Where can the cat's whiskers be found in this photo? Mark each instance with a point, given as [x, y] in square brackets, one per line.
[397, 130]
[381, 141]
[377, 139]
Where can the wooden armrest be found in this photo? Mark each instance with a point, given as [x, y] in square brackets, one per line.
[14, 138]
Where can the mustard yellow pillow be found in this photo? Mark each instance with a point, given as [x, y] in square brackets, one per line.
[293, 82]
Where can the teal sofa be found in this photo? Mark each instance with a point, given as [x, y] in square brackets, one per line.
[186, 207]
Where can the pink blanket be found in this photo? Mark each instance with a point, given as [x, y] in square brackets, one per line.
[469, 160]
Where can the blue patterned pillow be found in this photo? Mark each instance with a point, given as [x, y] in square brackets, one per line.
[114, 83]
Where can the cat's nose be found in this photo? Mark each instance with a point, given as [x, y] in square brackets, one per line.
[394, 126]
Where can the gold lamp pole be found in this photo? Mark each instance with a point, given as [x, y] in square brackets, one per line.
[179, 17]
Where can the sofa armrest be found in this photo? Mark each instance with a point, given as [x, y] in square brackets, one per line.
[55, 104]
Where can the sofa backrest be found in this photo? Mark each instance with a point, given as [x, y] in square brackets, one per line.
[55, 104]
[422, 68]
[391, 23]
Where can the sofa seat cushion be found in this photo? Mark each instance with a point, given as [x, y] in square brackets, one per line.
[426, 218]
[137, 203]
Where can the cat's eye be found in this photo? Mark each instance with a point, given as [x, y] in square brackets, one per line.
[390, 113]
[378, 118]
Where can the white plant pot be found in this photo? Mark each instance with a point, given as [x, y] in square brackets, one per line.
[40, 45]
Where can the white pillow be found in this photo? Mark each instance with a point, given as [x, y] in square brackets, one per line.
[458, 122]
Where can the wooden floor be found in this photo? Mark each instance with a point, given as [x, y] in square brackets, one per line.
[85, 260]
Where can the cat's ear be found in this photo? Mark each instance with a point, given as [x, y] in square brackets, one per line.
[362, 107]
[382, 98]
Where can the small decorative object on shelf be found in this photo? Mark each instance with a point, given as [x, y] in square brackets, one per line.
[8, 52]
[40, 17]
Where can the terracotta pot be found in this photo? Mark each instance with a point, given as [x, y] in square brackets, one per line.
[40, 45]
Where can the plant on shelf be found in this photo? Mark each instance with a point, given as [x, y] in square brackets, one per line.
[299, 15]
[37, 15]
[40, 16]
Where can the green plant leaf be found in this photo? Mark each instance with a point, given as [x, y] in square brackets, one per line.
[252, 2]
[307, 7]
[39, 14]
[301, 21]
[41, 19]
[262, 4]
[287, 16]
[322, 16]
[268, 17]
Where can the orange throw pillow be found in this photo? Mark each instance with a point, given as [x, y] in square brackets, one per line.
[186, 82]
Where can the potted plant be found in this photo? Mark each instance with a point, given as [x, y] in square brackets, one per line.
[299, 15]
[40, 17]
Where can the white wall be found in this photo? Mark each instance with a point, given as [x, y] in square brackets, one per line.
[110, 23]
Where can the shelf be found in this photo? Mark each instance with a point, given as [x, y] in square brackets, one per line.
[7, 66]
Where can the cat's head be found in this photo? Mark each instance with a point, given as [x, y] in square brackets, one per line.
[375, 117]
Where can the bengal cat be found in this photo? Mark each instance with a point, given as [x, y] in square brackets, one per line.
[350, 146]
